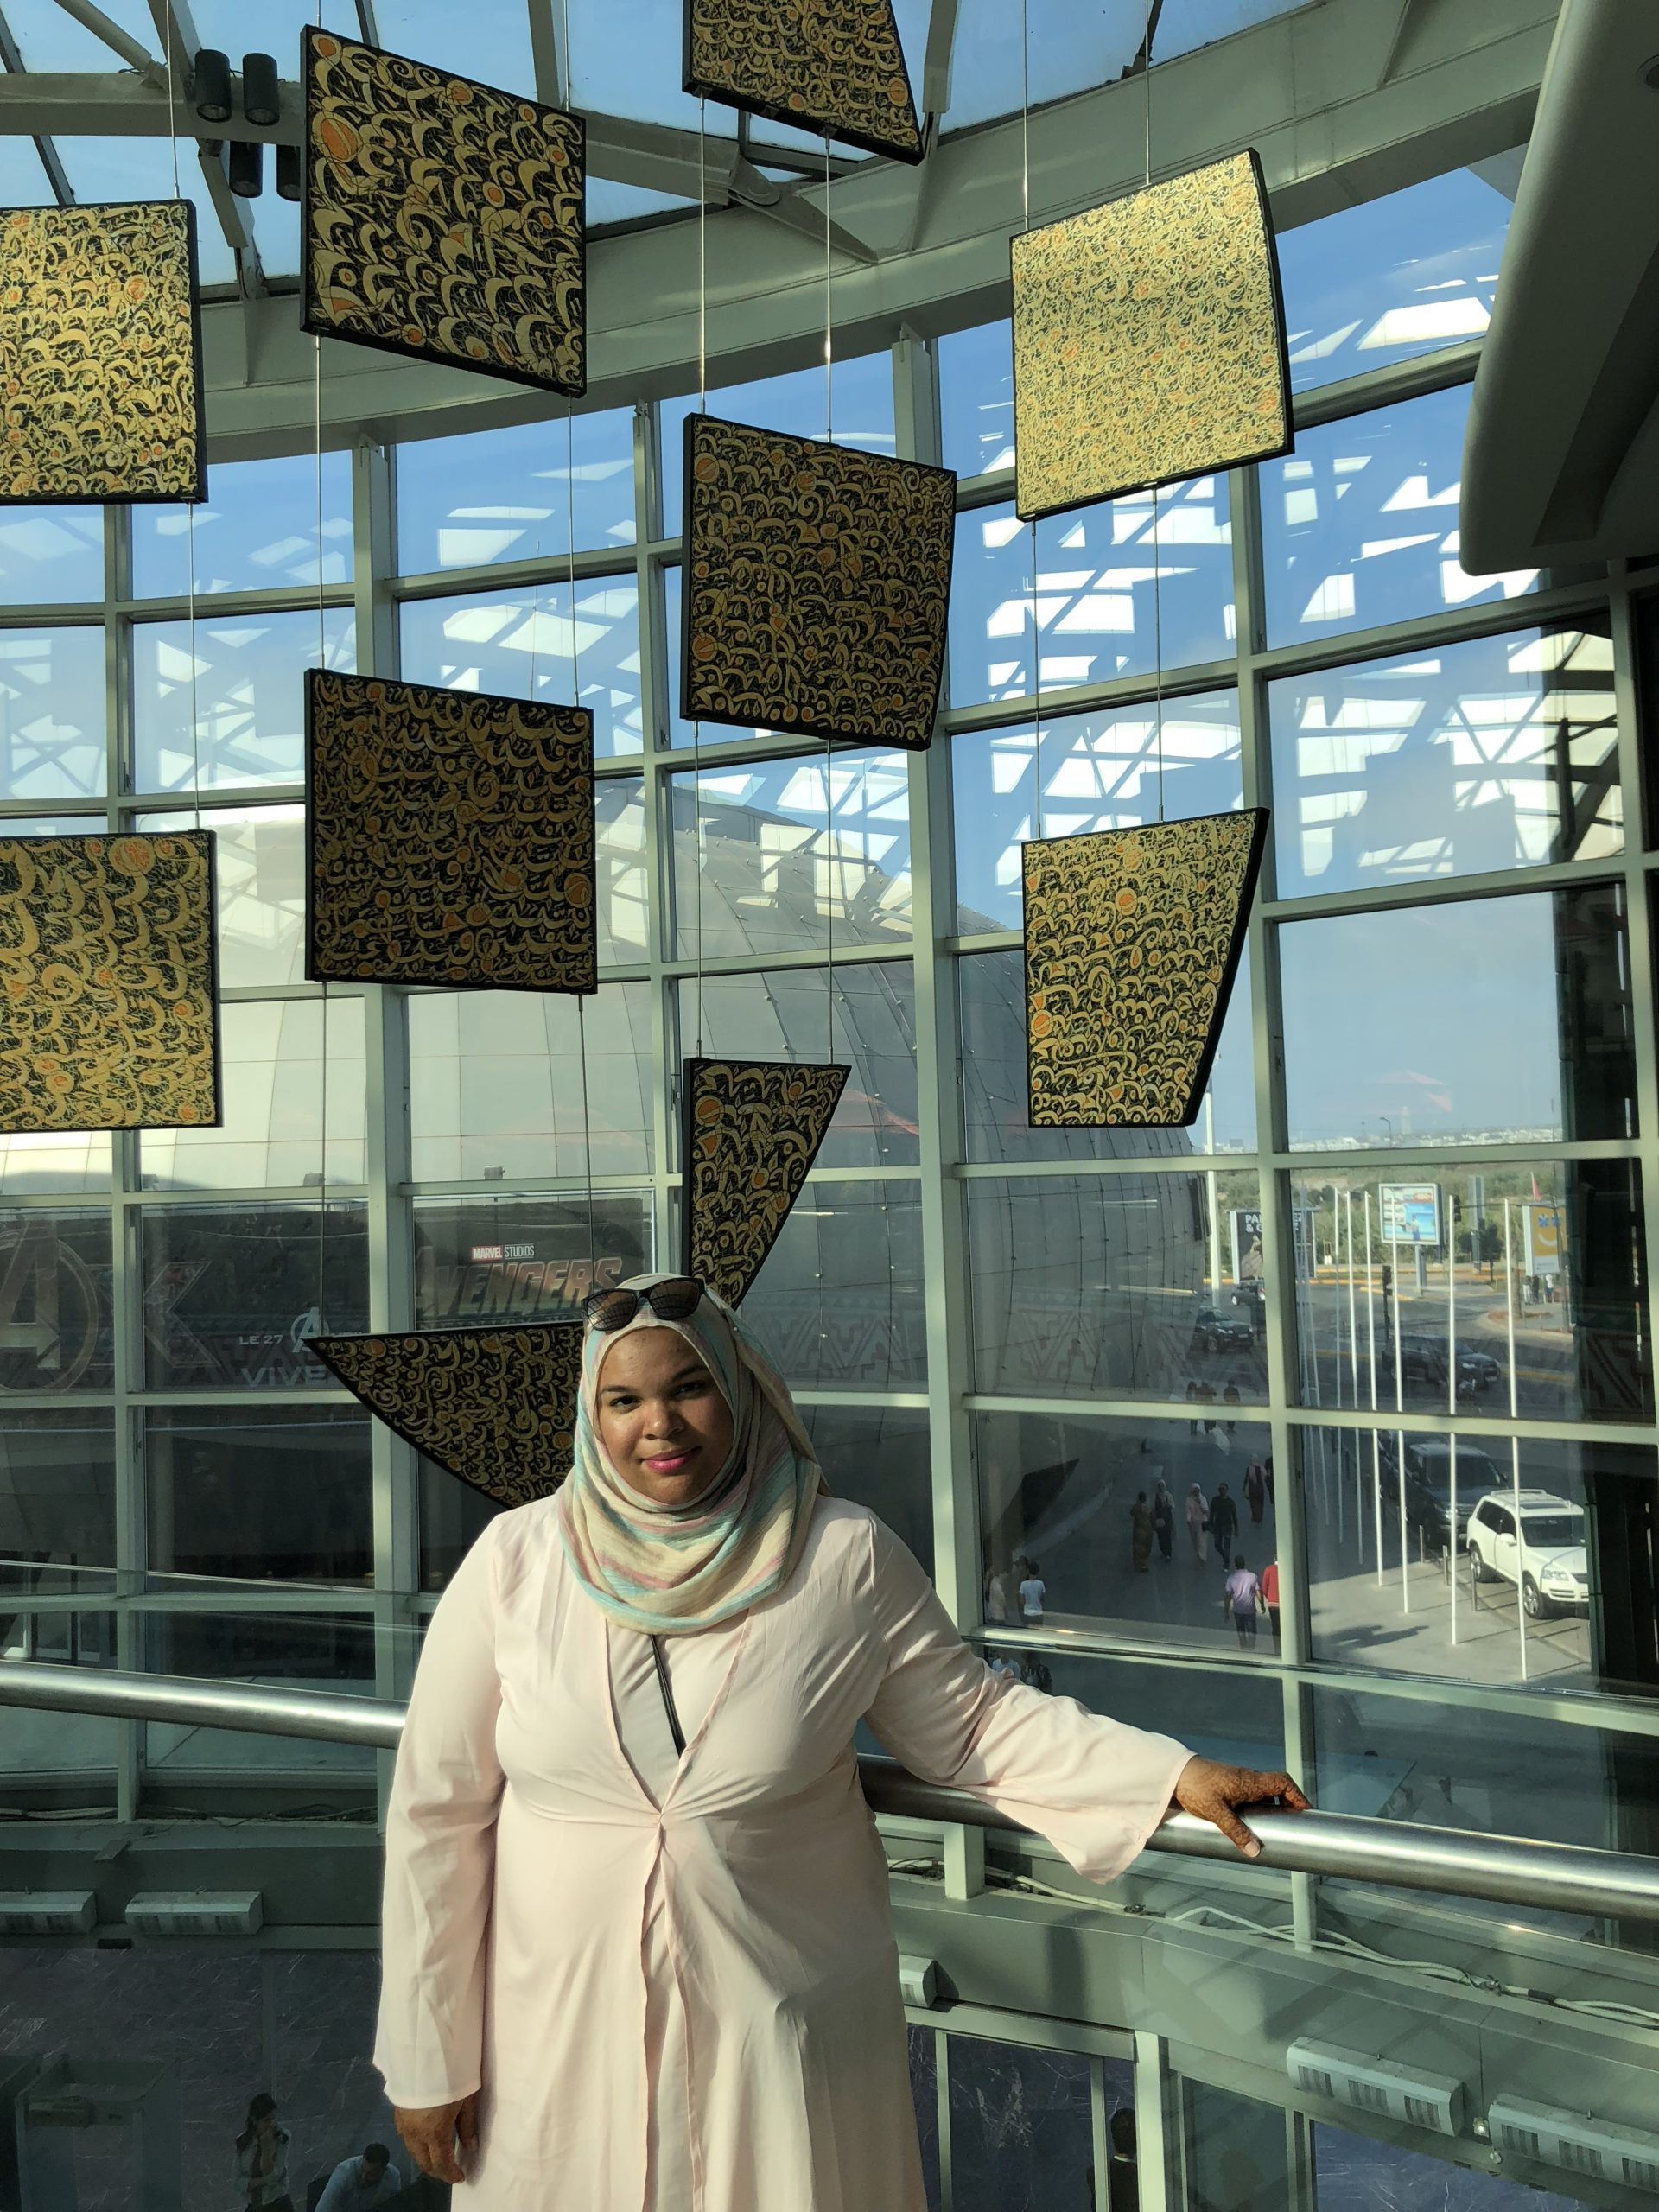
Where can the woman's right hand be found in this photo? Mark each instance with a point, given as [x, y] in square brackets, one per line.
[429, 2134]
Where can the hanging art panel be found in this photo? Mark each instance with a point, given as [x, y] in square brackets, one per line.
[817, 580]
[451, 837]
[753, 1130]
[1149, 341]
[109, 1003]
[1132, 943]
[495, 1407]
[104, 377]
[442, 219]
[835, 67]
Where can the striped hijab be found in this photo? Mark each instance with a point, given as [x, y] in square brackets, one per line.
[668, 1570]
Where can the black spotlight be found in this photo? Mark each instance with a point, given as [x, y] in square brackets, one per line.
[210, 85]
[289, 172]
[262, 100]
[245, 165]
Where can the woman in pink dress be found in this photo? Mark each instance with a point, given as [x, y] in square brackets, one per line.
[637, 1943]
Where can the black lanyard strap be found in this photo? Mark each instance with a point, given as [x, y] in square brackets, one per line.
[666, 1687]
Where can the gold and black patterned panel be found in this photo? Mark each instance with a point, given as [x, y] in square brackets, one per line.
[1132, 940]
[496, 1407]
[451, 837]
[108, 1011]
[442, 219]
[1149, 341]
[753, 1130]
[103, 355]
[816, 583]
[834, 65]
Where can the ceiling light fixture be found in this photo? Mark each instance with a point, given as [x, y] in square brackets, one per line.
[289, 173]
[210, 85]
[262, 97]
[245, 165]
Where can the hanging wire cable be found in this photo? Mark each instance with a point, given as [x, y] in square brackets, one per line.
[831, 872]
[575, 696]
[322, 662]
[1036, 582]
[685, 580]
[1157, 537]
[189, 505]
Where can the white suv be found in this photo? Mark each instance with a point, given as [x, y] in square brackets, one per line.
[1546, 1558]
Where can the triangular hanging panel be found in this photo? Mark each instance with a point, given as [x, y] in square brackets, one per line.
[1132, 942]
[496, 1407]
[104, 380]
[833, 66]
[451, 837]
[1149, 341]
[109, 1004]
[442, 219]
[817, 580]
[753, 1130]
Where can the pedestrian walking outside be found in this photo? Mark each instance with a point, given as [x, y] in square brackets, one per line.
[1255, 1489]
[1141, 1529]
[1223, 1522]
[1197, 1523]
[1032, 1592]
[1241, 1597]
[1163, 1517]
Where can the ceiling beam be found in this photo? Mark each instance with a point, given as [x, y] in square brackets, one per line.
[12, 61]
[135, 55]
[546, 57]
[936, 62]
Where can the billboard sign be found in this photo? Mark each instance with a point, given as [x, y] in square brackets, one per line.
[1542, 1225]
[1411, 1213]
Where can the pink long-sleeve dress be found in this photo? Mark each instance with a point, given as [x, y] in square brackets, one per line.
[675, 1978]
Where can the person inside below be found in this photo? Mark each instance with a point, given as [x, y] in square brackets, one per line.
[356, 2183]
[637, 1930]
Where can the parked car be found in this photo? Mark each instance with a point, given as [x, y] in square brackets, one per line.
[1220, 1332]
[1428, 1487]
[1422, 1359]
[1535, 1540]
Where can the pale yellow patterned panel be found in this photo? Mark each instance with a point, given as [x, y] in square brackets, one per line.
[109, 1012]
[103, 355]
[1132, 941]
[1149, 341]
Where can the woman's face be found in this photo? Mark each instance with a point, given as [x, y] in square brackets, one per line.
[665, 1425]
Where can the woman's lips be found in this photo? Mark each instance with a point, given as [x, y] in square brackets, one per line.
[672, 1462]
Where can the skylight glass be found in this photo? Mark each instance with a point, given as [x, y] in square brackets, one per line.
[49, 39]
[141, 169]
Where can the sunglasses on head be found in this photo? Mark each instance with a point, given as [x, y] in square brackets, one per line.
[675, 1299]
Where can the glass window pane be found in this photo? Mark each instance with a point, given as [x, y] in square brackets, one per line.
[785, 1015]
[1022, 2126]
[1545, 1317]
[1131, 1526]
[275, 1087]
[57, 1497]
[1115, 770]
[839, 1304]
[878, 1456]
[977, 398]
[511, 495]
[520, 646]
[259, 863]
[231, 1294]
[1359, 525]
[282, 1495]
[1546, 1589]
[498, 1087]
[1494, 753]
[1099, 572]
[1497, 1019]
[56, 1310]
[789, 856]
[1357, 2172]
[1403, 275]
[257, 530]
[491, 45]
[243, 674]
[529, 1258]
[52, 719]
[50, 555]
[76, 1163]
[121, 167]
[1114, 1286]
[1444, 1764]
[798, 403]
[452, 1516]
[1236, 1716]
[995, 1101]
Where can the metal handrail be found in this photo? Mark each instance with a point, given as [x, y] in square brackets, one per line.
[1453, 1862]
